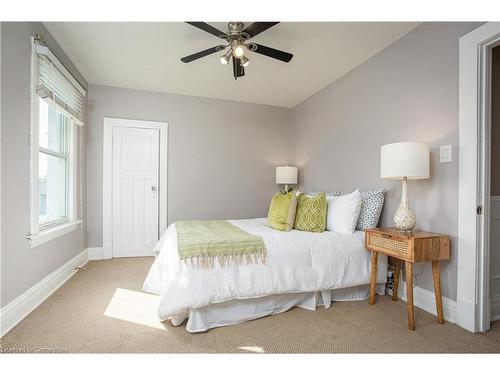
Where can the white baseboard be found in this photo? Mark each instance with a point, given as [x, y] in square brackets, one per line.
[106, 252]
[134, 253]
[95, 253]
[425, 300]
[18, 309]
[99, 253]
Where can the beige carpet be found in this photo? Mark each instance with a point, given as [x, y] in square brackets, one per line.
[103, 310]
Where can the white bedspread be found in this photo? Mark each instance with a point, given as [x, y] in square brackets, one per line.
[296, 262]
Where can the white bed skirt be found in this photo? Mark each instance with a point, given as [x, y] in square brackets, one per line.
[242, 310]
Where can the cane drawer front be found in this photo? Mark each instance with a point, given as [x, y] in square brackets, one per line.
[397, 247]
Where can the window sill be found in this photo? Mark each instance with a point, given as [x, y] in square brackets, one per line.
[52, 233]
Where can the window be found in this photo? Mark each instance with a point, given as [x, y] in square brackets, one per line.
[57, 114]
[53, 163]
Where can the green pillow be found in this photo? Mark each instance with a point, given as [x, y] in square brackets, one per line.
[281, 214]
[311, 213]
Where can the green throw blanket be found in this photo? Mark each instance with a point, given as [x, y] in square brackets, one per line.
[200, 242]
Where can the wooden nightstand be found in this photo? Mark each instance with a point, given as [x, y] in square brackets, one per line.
[409, 248]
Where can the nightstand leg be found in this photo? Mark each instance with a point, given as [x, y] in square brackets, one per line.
[396, 280]
[373, 277]
[409, 295]
[437, 290]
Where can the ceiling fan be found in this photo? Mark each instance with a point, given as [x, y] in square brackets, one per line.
[238, 45]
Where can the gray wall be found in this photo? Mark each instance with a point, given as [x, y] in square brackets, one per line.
[407, 92]
[22, 266]
[221, 154]
[495, 123]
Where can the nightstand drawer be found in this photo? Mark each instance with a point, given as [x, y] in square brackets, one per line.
[388, 245]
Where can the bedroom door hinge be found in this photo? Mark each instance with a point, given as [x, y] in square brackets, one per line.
[479, 210]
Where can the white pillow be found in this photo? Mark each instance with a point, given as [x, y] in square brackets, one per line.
[343, 212]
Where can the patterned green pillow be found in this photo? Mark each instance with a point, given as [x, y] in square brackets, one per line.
[311, 213]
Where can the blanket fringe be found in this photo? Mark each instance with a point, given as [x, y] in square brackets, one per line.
[225, 260]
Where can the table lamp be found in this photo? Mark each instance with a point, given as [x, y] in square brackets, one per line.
[406, 161]
[286, 175]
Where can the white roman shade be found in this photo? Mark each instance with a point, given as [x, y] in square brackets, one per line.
[56, 85]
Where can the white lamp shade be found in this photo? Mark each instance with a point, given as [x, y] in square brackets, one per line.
[404, 159]
[286, 175]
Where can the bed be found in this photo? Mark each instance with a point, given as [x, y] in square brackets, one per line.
[301, 269]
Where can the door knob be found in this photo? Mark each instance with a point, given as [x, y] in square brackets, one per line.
[153, 189]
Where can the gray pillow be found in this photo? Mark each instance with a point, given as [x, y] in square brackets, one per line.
[311, 192]
[314, 192]
[371, 206]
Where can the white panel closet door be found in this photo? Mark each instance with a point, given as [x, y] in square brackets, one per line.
[135, 190]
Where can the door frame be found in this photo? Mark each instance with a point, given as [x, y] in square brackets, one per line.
[473, 308]
[107, 176]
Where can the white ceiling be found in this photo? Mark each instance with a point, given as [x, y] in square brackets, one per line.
[146, 56]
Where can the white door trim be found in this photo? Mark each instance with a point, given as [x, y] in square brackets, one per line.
[473, 189]
[107, 180]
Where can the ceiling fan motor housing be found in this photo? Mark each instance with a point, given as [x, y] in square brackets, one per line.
[235, 27]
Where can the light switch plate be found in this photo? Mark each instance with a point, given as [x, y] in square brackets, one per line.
[445, 154]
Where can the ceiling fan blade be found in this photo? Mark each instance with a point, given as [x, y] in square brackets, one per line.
[201, 54]
[258, 27]
[209, 29]
[274, 53]
[238, 69]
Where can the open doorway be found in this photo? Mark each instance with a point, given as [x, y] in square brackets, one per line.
[474, 272]
[495, 188]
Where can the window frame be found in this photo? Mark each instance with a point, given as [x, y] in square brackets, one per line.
[64, 154]
[43, 232]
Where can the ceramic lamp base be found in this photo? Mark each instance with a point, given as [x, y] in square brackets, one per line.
[404, 218]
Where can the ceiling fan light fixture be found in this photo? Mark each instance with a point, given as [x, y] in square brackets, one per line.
[245, 61]
[238, 39]
[224, 59]
[238, 50]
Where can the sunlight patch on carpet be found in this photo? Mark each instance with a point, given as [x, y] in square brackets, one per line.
[255, 349]
[135, 307]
